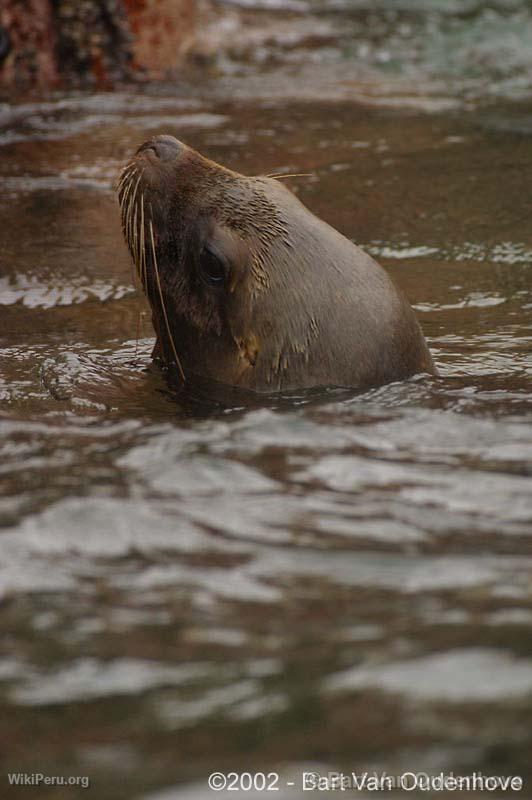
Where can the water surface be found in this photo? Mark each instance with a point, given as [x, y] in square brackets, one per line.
[323, 581]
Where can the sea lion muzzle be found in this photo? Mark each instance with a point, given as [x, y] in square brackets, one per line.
[166, 148]
[247, 287]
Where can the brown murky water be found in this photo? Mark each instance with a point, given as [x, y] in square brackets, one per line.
[316, 583]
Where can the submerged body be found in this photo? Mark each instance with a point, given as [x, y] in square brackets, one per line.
[249, 288]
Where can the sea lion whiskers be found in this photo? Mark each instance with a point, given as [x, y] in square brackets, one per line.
[135, 232]
[139, 318]
[125, 205]
[121, 180]
[130, 215]
[163, 306]
[126, 169]
[123, 191]
[124, 186]
[278, 175]
[132, 220]
[131, 208]
[128, 231]
[142, 244]
[124, 175]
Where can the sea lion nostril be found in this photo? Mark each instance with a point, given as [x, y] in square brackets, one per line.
[166, 148]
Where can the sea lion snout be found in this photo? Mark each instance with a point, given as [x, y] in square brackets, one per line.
[166, 148]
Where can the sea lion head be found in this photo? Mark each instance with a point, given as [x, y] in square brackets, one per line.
[203, 239]
[249, 288]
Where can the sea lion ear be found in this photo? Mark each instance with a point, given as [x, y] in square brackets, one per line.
[224, 250]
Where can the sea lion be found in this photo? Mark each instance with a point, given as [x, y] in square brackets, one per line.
[248, 288]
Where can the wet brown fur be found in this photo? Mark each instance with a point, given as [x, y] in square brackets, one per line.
[302, 305]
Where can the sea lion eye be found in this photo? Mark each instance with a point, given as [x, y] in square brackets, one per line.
[212, 268]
